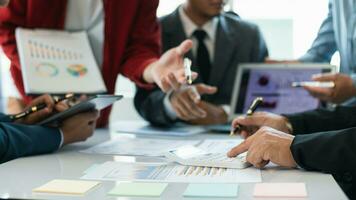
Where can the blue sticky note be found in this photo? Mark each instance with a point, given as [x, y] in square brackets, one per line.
[211, 190]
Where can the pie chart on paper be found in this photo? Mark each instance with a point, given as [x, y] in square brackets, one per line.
[77, 70]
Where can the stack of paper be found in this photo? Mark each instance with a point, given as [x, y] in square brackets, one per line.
[118, 171]
[138, 146]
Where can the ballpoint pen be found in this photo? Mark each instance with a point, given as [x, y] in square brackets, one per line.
[39, 107]
[257, 102]
[188, 70]
[314, 84]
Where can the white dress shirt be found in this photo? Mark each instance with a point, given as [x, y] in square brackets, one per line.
[209, 27]
[88, 15]
[189, 28]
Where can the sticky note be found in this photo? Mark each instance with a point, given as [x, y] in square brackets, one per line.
[211, 190]
[139, 189]
[91, 168]
[286, 190]
[67, 187]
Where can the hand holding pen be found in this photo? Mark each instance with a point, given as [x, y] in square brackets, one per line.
[41, 108]
[255, 104]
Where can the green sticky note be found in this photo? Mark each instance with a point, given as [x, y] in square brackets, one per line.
[211, 190]
[139, 189]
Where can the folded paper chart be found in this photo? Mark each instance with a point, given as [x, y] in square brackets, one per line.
[58, 62]
[119, 171]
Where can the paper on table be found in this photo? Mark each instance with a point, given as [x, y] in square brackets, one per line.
[219, 146]
[139, 189]
[211, 190]
[138, 146]
[141, 127]
[280, 190]
[67, 187]
[91, 168]
[116, 171]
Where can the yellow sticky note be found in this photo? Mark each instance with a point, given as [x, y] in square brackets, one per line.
[67, 187]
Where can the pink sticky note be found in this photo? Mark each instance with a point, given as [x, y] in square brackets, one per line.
[280, 190]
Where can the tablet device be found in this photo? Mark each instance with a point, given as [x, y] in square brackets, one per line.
[97, 102]
[274, 83]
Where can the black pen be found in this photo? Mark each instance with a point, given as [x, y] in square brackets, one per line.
[257, 102]
[39, 107]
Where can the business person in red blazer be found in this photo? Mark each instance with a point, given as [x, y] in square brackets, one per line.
[125, 33]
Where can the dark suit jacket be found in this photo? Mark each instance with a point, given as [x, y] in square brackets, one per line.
[22, 140]
[237, 41]
[325, 141]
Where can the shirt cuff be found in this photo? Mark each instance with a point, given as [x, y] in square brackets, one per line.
[62, 139]
[168, 108]
[353, 77]
[227, 109]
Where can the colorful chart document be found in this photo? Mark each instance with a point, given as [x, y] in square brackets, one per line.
[138, 146]
[118, 171]
[72, 187]
[139, 189]
[157, 147]
[58, 62]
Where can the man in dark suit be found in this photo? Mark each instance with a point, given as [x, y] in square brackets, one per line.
[220, 41]
[321, 140]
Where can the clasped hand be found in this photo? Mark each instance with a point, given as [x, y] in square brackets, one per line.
[189, 107]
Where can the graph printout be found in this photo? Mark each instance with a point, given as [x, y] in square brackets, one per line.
[58, 62]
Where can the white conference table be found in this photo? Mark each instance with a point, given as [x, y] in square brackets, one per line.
[19, 177]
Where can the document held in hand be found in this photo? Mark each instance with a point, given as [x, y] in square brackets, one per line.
[58, 62]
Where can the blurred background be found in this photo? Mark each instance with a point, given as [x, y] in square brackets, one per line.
[289, 27]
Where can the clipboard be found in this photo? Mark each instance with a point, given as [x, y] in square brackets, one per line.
[97, 102]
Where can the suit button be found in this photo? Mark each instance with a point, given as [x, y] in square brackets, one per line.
[347, 177]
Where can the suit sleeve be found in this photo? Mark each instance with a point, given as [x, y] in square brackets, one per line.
[323, 120]
[20, 140]
[259, 51]
[149, 104]
[324, 46]
[331, 152]
[144, 44]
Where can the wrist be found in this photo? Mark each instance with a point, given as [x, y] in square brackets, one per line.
[61, 144]
[64, 140]
[148, 73]
[288, 125]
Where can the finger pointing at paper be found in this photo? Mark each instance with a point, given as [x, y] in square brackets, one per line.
[267, 145]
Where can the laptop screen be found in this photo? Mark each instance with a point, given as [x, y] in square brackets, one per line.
[275, 86]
